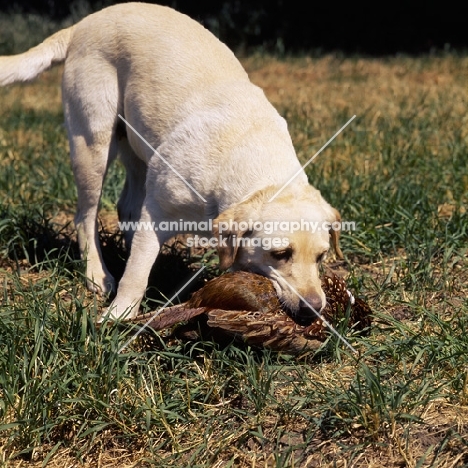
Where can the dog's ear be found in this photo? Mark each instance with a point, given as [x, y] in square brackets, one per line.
[228, 228]
[335, 234]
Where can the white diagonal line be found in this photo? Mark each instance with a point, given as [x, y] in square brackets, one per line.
[157, 312]
[163, 159]
[316, 313]
[312, 158]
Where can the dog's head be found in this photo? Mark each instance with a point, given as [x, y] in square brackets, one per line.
[285, 240]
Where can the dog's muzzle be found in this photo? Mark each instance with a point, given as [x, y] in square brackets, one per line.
[308, 310]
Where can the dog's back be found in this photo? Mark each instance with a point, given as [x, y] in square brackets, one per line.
[133, 38]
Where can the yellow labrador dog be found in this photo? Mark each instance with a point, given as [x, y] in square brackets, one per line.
[199, 142]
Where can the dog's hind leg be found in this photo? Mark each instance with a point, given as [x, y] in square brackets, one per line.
[90, 104]
[133, 193]
[89, 162]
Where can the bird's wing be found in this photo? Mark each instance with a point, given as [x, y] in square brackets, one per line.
[169, 316]
[275, 331]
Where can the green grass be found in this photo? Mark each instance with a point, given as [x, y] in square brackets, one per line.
[67, 395]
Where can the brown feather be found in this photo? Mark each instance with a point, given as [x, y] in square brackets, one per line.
[245, 306]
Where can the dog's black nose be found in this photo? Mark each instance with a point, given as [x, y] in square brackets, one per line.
[305, 315]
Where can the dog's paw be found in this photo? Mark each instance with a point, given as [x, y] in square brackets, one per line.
[102, 286]
[117, 311]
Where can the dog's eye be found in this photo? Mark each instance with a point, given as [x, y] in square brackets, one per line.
[285, 254]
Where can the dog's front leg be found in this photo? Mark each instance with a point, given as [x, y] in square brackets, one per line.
[132, 286]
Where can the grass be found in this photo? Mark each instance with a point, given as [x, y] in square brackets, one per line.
[69, 398]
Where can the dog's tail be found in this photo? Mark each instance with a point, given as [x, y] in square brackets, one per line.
[30, 64]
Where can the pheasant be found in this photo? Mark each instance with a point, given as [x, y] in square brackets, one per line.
[245, 305]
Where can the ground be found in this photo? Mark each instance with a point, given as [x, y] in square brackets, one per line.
[400, 171]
